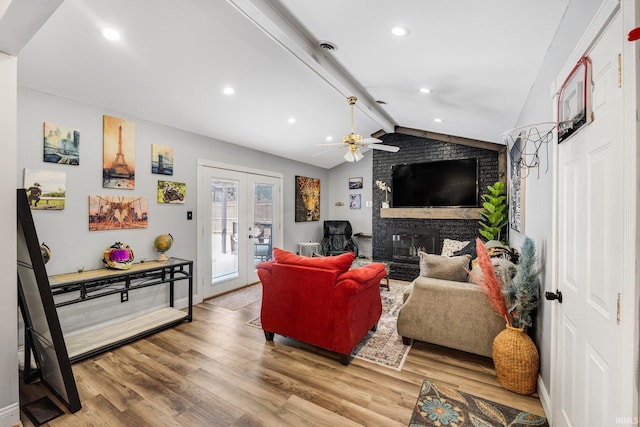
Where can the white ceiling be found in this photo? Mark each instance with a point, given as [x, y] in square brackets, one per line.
[175, 57]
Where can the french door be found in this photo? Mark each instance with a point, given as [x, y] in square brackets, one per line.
[239, 213]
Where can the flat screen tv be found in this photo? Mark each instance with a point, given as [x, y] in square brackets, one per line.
[445, 183]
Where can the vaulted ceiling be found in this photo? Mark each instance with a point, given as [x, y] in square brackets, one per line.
[174, 59]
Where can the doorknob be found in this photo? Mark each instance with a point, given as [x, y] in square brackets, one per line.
[250, 236]
[554, 295]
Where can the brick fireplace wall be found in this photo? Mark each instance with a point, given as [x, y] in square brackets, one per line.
[414, 149]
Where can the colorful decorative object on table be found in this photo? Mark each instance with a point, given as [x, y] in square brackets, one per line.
[162, 244]
[118, 256]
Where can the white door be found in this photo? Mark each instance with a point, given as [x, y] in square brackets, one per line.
[589, 233]
[239, 224]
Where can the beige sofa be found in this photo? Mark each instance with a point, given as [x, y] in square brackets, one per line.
[449, 313]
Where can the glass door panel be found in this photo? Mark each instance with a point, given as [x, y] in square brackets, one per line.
[224, 230]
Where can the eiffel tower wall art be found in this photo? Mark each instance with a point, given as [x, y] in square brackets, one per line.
[118, 158]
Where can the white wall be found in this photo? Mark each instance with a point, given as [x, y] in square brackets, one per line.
[538, 215]
[9, 406]
[360, 219]
[66, 231]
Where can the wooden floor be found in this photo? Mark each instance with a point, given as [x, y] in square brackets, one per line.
[217, 371]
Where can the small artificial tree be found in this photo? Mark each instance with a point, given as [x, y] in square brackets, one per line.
[495, 215]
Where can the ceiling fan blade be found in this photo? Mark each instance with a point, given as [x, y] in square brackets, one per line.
[370, 140]
[319, 153]
[389, 148]
[330, 144]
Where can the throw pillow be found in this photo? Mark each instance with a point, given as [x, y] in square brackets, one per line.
[469, 249]
[446, 268]
[340, 262]
[450, 246]
[505, 271]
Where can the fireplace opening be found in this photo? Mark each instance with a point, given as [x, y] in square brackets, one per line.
[405, 245]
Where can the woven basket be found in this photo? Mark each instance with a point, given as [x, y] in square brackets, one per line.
[516, 360]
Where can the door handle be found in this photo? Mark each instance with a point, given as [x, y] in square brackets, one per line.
[250, 236]
[550, 296]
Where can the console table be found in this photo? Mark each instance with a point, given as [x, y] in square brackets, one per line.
[92, 284]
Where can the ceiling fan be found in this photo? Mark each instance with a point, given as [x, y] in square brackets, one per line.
[354, 141]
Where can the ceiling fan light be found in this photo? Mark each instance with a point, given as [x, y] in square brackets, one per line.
[358, 155]
[349, 156]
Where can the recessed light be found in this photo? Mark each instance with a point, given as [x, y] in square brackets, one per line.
[291, 120]
[437, 120]
[399, 31]
[329, 138]
[228, 90]
[425, 90]
[111, 34]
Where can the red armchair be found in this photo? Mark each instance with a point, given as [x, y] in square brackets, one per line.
[319, 300]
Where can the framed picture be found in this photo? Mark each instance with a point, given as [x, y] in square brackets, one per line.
[307, 199]
[61, 144]
[161, 159]
[46, 190]
[354, 201]
[118, 155]
[574, 100]
[172, 192]
[355, 183]
[516, 185]
[117, 212]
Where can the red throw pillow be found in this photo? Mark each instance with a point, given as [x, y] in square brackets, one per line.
[339, 262]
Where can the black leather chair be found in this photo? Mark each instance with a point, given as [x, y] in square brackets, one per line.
[338, 238]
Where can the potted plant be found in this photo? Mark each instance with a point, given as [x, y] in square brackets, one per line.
[514, 353]
[495, 213]
[387, 189]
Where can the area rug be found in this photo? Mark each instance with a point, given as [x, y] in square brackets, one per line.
[439, 405]
[384, 346]
[238, 299]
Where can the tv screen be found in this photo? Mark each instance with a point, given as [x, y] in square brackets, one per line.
[446, 183]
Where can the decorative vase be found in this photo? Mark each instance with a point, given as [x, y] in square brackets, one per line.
[385, 205]
[516, 360]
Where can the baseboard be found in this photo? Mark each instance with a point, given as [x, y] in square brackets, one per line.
[10, 415]
[545, 398]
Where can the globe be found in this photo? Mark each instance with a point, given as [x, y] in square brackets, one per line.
[162, 244]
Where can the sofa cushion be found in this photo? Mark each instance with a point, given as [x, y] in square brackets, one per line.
[445, 268]
[340, 263]
[505, 271]
[450, 246]
[469, 249]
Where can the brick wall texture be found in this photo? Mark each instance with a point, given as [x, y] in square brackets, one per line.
[417, 150]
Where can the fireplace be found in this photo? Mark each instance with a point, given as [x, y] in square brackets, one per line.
[406, 244]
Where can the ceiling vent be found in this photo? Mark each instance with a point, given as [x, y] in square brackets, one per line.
[327, 45]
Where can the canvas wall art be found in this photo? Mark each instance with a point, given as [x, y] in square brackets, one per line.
[61, 144]
[161, 159]
[119, 147]
[172, 192]
[307, 199]
[117, 212]
[46, 190]
[355, 183]
[355, 201]
[517, 181]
